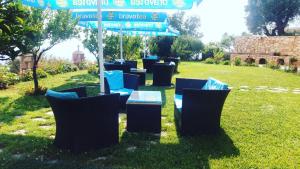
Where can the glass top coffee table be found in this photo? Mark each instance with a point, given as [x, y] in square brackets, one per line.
[145, 97]
[144, 111]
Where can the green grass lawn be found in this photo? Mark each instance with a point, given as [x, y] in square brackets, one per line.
[260, 128]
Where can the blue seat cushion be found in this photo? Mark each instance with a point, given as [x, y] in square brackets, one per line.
[115, 79]
[62, 95]
[178, 101]
[123, 92]
[214, 84]
[152, 57]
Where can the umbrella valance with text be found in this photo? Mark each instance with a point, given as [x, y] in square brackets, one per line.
[112, 4]
[122, 16]
[146, 33]
[137, 26]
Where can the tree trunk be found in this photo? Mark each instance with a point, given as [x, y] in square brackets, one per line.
[98, 63]
[35, 78]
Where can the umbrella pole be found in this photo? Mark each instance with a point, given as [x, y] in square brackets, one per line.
[121, 44]
[144, 46]
[100, 46]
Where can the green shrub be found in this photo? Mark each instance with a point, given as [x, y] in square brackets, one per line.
[7, 78]
[51, 70]
[30, 91]
[41, 73]
[14, 66]
[55, 66]
[93, 69]
[237, 61]
[218, 57]
[210, 50]
[74, 68]
[82, 66]
[65, 67]
[249, 64]
[27, 76]
[209, 61]
[225, 62]
[12, 78]
[273, 65]
[226, 56]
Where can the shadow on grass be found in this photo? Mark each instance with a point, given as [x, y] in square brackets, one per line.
[3, 100]
[189, 152]
[134, 151]
[10, 108]
[27, 152]
[83, 79]
[20, 106]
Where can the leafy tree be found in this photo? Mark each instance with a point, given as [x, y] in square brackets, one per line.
[91, 42]
[177, 21]
[186, 25]
[186, 47]
[12, 27]
[270, 17]
[227, 42]
[132, 47]
[111, 50]
[210, 50]
[44, 30]
[192, 25]
[112, 47]
[153, 47]
[161, 45]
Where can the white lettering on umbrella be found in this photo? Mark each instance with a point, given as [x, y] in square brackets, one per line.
[149, 2]
[88, 2]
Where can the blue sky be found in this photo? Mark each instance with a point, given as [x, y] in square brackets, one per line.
[217, 17]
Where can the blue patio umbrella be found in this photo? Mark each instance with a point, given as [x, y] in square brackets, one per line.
[110, 4]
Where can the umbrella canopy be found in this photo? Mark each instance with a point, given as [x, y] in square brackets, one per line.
[115, 4]
[110, 4]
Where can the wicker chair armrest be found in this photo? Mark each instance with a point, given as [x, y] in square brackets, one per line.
[81, 91]
[183, 83]
[106, 86]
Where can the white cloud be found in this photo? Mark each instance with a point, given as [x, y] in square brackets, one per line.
[220, 16]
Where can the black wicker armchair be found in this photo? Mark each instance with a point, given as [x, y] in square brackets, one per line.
[86, 123]
[131, 63]
[117, 66]
[197, 111]
[148, 63]
[175, 60]
[162, 74]
[131, 82]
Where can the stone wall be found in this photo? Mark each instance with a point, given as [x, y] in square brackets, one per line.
[26, 63]
[280, 49]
